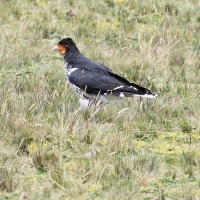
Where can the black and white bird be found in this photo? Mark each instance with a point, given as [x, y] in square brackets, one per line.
[94, 82]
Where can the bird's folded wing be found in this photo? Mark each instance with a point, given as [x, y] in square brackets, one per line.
[104, 82]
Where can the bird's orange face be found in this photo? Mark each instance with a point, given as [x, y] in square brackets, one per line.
[61, 48]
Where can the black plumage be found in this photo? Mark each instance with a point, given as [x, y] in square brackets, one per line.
[92, 80]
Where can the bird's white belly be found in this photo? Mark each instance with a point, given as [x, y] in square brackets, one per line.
[108, 98]
[76, 89]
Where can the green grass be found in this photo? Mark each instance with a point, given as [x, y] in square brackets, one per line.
[134, 149]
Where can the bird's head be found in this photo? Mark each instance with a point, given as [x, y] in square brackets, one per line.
[64, 45]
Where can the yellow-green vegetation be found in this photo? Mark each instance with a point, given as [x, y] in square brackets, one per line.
[135, 149]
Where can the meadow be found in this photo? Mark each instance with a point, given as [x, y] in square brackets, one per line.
[134, 149]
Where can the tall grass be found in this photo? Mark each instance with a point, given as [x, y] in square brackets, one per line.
[134, 149]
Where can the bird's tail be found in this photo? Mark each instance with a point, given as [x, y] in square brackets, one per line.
[126, 88]
[133, 90]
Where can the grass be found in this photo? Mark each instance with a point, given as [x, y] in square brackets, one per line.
[134, 149]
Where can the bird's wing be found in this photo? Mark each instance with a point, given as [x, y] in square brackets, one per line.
[91, 82]
[102, 81]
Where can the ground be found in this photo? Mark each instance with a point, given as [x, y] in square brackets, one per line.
[134, 149]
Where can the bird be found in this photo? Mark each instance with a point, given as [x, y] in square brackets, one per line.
[94, 82]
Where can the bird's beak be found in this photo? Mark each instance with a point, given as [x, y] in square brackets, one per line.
[55, 48]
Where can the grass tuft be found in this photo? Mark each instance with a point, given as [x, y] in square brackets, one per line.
[134, 149]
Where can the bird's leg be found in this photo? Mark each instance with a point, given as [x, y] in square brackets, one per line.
[91, 102]
[84, 104]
